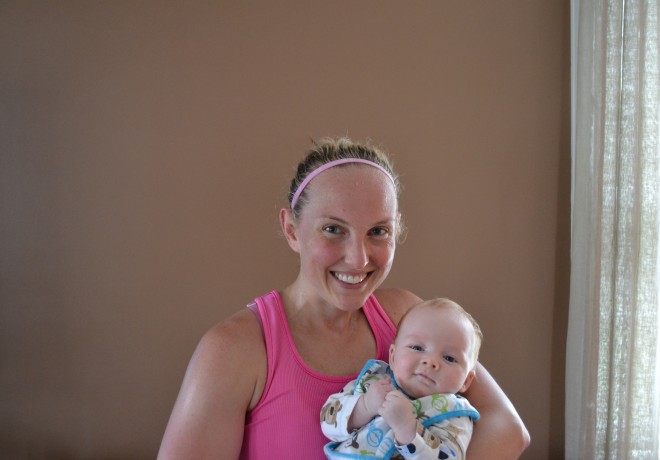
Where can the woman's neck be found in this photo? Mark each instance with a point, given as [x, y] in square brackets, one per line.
[312, 311]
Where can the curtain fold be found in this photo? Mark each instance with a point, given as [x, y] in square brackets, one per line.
[612, 387]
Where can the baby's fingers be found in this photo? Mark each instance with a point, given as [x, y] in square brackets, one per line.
[394, 395]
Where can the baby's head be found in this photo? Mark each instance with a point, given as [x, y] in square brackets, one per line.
[435, 349]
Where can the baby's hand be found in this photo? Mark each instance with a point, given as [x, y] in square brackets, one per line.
[398, 413]
[369, 403]
[375, 395]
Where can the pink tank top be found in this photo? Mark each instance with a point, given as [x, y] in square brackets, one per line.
[286, 421]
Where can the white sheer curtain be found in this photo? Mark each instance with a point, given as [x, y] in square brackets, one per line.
[612, 383]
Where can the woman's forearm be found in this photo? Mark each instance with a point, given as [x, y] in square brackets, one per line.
[500, 432]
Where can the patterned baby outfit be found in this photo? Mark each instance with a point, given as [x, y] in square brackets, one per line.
[446, 420]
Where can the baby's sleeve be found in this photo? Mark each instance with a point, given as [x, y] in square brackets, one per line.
[337, 411]
[448, 439]
[418, 449]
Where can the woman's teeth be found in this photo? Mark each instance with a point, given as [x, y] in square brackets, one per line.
[350, 279]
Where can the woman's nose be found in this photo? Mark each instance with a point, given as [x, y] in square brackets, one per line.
[357, 254]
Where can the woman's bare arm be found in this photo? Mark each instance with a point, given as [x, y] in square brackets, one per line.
[499, 433]
[222, 382]
[396, 302]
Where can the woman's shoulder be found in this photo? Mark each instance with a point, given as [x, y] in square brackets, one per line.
[234, 347]
[241, 328]
[396, 302]
[224, 379]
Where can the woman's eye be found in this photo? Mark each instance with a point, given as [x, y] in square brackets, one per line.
[331, 229]
[380, 231]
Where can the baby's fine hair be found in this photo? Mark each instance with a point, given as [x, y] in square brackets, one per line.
[330, 149]
[442, 302]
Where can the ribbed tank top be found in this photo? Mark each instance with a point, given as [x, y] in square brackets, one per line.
[286, 421]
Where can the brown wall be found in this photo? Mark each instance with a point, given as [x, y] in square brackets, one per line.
[145, 150]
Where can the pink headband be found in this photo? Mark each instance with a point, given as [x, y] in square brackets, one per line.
[332, 164]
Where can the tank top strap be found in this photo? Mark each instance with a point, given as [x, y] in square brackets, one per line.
[382, 327]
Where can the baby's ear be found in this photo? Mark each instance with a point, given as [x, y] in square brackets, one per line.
[468, 381]
[392, 348]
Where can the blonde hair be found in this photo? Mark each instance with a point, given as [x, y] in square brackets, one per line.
[331, 149]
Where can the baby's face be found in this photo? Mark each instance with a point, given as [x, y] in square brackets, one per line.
[433, 352]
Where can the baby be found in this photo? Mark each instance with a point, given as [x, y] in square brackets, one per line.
[410, 408]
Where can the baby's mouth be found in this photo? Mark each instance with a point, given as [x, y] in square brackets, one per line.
[426, 378]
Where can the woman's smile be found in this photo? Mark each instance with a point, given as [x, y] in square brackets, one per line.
[350, 279]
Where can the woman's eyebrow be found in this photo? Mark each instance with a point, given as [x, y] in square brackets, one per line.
[342, 221]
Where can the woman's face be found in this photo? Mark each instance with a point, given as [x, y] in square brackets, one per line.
[345, 235]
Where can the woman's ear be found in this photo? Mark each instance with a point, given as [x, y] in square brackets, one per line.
[400, 229]
[288, 225]
[468, 381]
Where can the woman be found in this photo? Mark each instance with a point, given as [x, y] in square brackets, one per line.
[256, 382]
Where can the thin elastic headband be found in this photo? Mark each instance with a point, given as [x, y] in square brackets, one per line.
[329, 165]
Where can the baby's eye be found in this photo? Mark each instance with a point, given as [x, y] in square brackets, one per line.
[416, 347]
[450, 359]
